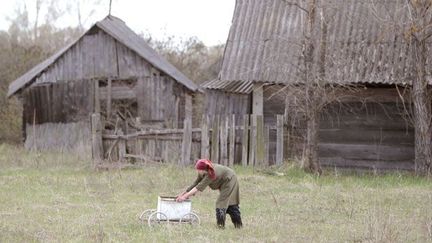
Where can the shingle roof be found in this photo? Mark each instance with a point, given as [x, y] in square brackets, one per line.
[123, 34]
[364, 45]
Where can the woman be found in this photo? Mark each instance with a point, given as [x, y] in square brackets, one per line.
[225, 180]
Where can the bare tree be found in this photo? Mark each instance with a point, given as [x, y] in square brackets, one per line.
[313, 92]
[25, 44]
[416, 29]
[418, 34]
[196, 60]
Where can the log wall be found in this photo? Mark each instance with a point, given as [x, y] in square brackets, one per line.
[366, 135]
[367, 128]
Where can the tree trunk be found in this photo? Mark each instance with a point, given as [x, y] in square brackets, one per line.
[422, 110]
[311, 158]
[311, 86]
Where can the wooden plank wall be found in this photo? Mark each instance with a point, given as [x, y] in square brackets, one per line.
[274, 104]
[98, 55]
[160, 101]
[93, 56]
[223, 104]
[58, 102]
[220, 103]
[368, 131]
[72, 136]
[183, 146]
[366, 135]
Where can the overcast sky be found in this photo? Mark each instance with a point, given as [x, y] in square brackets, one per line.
[209, 20]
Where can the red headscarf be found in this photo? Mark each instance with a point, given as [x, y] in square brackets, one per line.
[205, 164]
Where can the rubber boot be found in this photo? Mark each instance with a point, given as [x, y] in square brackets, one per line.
[220, 217]
[234, 212]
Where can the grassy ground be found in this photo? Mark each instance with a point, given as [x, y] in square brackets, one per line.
[59, 197]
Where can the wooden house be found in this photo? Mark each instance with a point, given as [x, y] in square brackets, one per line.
[364, 48]
[111, 71]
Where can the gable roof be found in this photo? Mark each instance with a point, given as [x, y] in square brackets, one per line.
[363, 43]
[117, 29]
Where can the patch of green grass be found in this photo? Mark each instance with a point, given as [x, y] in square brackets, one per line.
[59, 197]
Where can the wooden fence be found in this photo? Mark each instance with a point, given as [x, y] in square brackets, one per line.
[226, 140]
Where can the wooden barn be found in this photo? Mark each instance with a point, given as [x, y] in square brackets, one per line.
[369, 129]
[109, 71]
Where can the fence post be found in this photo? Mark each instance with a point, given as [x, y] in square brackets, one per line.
[108, 98]
[266, 145]
[138, 141]
[97, 146]
[205, 137]
[260, 146]
[97, 107]
[215, 141]
[121, 146]
[232, 141]
[187, 141]
[279, 139]
[223, 141]
[252, 139]
[245, 140]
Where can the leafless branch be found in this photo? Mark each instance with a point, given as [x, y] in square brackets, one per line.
[297, 5]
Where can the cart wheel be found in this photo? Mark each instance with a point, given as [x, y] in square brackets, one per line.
[144, 215]
[156, 218]
[191, 218]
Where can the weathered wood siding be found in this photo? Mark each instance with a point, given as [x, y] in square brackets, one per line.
[63, 102]
[72, 136]
[369, 129]
[99, 56]
[64, 94]
[56, 116]
[95, 55]
[273, 105]
[221, 103]
[366, 135]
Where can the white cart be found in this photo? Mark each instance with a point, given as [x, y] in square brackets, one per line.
[168, 210]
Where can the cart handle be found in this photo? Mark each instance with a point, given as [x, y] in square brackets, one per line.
[169, 198]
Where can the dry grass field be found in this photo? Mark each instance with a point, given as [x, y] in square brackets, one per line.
[55, 197]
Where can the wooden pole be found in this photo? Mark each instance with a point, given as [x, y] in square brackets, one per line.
[252, 140]
[138, 141]
[109, 98]
[266, 145]
[232, 141]
[205, 137]
[188, 106]
[245, 140]
[96, 96]
[260, 146]
[187, 141]
[34, 130]
[224, 141]
[97, 146]
[214, 155]
[279, 139]
[258, 99]
[121, 147]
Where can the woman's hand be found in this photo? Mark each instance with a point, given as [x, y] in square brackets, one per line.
[186, 195]
[181, 198]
